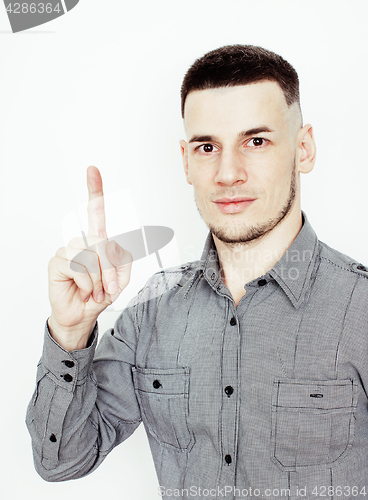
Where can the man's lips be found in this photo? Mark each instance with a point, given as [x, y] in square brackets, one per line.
[233, 205]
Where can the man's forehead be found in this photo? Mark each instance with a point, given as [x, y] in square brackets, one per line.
[229, 104]
[263, 90]
[248, 105]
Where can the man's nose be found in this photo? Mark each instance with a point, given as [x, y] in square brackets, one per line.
[231, 169]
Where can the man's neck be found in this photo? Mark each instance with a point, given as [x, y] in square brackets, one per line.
[245, 262]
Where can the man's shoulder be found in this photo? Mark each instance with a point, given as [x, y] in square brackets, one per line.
[174, 273]
[342, 262]
[168, 280]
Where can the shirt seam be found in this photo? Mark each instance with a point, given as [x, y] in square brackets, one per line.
[121, 421]
[352, 271]
[344, 325]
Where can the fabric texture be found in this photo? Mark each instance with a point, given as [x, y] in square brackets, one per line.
[267, 399]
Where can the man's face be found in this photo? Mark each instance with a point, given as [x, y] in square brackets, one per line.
[241, 158]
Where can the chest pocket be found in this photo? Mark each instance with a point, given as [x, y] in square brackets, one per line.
[163, 397]
[312, 421]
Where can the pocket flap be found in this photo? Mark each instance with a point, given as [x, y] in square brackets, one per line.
[171, 381]
[328, 394]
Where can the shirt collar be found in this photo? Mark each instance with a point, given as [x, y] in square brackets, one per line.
[292, 272]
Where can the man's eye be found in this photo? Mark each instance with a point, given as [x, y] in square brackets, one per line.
[257, 141]
[206, 148]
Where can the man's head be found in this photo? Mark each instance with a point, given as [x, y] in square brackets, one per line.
[246, 142]
[240, 65]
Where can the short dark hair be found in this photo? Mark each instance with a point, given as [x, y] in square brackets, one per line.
[240, 65]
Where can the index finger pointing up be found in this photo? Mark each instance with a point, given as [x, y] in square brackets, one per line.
[96, 207]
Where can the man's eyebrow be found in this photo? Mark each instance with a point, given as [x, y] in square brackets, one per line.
[203, 138]
[245, 133]
[255, 131]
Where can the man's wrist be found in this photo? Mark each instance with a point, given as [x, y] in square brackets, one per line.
[70, 338]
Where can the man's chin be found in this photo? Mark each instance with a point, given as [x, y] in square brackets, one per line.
[238, 235]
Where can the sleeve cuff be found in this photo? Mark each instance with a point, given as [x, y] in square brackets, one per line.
[67, 369]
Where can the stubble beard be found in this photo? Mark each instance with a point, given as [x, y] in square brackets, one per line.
[245, 234]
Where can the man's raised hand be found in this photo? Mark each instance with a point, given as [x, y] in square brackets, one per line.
[86, 276]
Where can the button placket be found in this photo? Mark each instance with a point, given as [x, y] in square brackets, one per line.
[229, 415]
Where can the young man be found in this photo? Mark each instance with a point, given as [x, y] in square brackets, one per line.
[249, 370]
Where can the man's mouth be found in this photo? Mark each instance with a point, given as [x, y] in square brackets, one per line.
[233, 205]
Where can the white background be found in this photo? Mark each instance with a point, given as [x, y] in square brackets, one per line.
[100, 86]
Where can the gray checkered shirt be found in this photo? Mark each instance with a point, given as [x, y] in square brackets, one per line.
[265, 400]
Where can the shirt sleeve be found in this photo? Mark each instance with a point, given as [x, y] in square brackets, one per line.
[84, 403]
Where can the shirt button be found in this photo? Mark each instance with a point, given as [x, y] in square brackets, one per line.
[228, 459]
[229, 390]
[68, 363]
[362, 268]
[213, 276]
[53, 438]
[68, 377]
[262, 282]
[233, 321]
[157, 384]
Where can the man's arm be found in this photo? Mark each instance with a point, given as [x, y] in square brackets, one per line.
[81, 409]
[75, 417]
[86, 276]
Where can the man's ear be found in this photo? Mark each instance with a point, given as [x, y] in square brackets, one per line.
[184, 154]
[306, 149]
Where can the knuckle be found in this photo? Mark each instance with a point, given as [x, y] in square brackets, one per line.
[77, 243]
[73, 242]
[97, 210]
[52, 263]
[89, 260]
[60, 251]
[128, 257]
[77, 267]
[110, 275]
